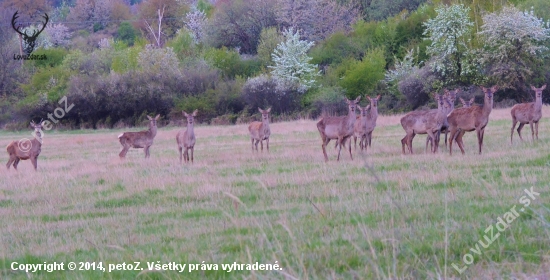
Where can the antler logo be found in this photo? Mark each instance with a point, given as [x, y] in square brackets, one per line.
[30, 40]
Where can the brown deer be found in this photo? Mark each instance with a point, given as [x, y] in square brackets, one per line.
[528, 113]
[186, 139]
[340, 128]
[467, 104]
[142, 139]
[450, 96]
[359, 128]
[424, 122]
[371, 119]
[26, 149]
[473, 118]
[260, 131]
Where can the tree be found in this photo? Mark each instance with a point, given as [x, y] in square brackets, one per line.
[364, 75]
[127, 33]
[269, 39]
[86, 11]
[195, 22]
[448, 33]
[292, 67]
[316, 19]
[513, 43]
[238, 23]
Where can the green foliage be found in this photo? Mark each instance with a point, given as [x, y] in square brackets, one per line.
[126, 60]
[269, 39]
[54, 56]
[183, 46]
[46, 85]
[364, 75]
[204, 6]
[335, 49]
[540, 8]
[230, 63]
[127, 33]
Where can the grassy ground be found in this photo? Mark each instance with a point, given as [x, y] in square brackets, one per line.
[382, 215]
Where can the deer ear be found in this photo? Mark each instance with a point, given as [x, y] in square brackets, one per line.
[157, 117]
[494, 88]
[533, 88]
[357, 99]
[268, 110]
[149, 118]
[195, 112]
[367, 108]
[260, 109]
[472, 100]
[378, 97]
[185, 113]
[462, 100]
[543, 87]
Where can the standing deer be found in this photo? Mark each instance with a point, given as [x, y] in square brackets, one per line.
[473, 118]
[186, 139]
[340, 128]
[260, 131]
[424, 122]
[450, 97]
[359, 128]
[467, 104]
[528, 113]
[371, 119]
[142, 139]
[26, 149]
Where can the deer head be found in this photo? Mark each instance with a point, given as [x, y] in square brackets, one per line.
[30, 40]
[153, 121]
[489, 92]
[37, 133]
[538, 91]
[352, 105]
[190, 117]
[265, 113]
[374, 101]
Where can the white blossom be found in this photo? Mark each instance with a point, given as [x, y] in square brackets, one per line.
[292, 67]
[195, 22]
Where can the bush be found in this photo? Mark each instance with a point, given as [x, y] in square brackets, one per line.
[263, 92]
[417, 87]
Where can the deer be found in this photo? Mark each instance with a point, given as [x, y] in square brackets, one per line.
[528, 113]
[359, 128]
[371, 119]
[340, 128]
[476, 118]
[467, 104]
[424, 122]
[142, 139]
[450, 96]
[186, 139]
[26, 149]
[260, 131]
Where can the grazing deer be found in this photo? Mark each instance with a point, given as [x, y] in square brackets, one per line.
[450, 97]
[260, 131]
[26, 149]
[186, 139]
[371, 119]
[359, 128]
[340, 128]
[142, 139]
[467, 104]
[424, 122]
[473, 118]
[528, 113]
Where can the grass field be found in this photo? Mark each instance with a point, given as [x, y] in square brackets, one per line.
[383, 215]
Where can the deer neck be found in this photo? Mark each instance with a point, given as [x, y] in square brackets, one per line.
[190, 130]
[153, 130]
[351, 118]
[538, 103]
[265, 123]
[374, 112]
[487, 107]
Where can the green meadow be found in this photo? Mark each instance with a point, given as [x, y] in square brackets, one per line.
[382, 215]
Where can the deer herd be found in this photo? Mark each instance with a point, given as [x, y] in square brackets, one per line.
[445, 119]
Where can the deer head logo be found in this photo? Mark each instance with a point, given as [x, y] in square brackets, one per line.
[30, 40]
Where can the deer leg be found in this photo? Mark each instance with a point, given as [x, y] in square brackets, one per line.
[349, 146]
[403, 143]
[411, 137]
[122, 153]
[180, 150]
[537, 129]
[192, 150]
[262, 144]
[532, 131]
[252, 140]
[340, 141]
[446, 131]
[34, 161]
[186, 154]
[519, 130]
[10, 161]
[325, 142]
[453, 136]
[256, 144]
[459, 141]
[480, 140]
[431, 137]
[369, 138]
[16, 162]
[146, 151]
[514, 122]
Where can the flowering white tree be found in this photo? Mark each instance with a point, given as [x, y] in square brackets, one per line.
[401, 69]
[292, 67]
[195, 22]
[513, 40]
[448, 35]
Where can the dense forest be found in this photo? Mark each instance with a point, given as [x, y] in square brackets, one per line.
[119, 60]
